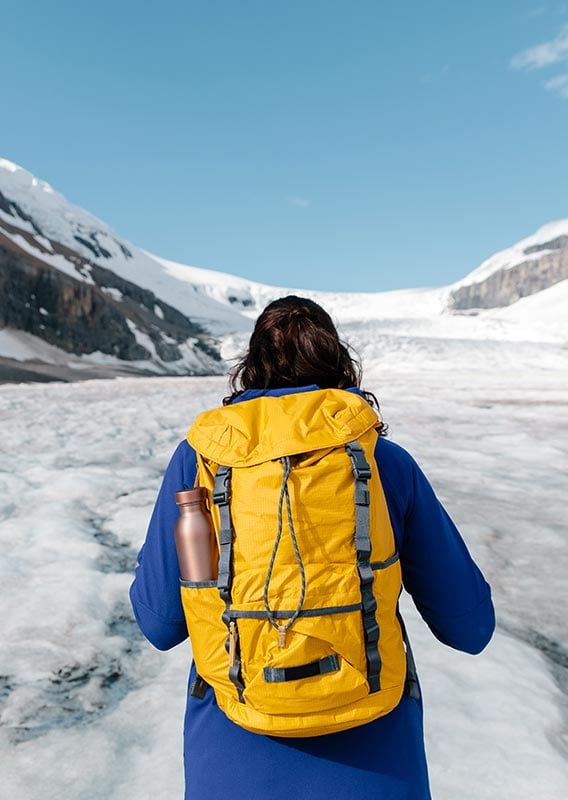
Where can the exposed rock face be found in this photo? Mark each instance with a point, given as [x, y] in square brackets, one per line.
[506, 286]
[96, 311]
[62, 311]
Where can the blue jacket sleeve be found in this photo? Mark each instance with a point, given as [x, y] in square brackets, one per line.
[446, 585]
[155, 594]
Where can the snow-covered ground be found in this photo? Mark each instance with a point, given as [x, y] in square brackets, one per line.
[89, 711]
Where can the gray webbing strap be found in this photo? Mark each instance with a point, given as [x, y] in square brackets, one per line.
[384, 564]
[321, 667]
[411, 685]
[222, 498]
[362, 474]
[235, 675]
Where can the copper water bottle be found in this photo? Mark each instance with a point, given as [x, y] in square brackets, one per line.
[193, 532]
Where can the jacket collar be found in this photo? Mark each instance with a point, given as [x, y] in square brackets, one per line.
[253, 394]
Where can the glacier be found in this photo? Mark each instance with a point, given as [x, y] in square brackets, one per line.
[88, 710]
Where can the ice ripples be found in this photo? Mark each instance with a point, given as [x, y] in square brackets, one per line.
[83, 669]
[80, 476]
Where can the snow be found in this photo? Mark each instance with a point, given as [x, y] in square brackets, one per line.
[116, 294]
[43, 242]
[9, 166]
[143, 339]
[24, 346]
[541, 315]
[199, 293]
[250, 296]
[82, 468]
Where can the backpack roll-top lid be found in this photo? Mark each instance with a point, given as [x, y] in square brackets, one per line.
[265, 428]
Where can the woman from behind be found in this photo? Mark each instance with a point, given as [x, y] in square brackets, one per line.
[295, 350]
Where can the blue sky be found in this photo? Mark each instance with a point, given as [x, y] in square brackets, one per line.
[327, 144]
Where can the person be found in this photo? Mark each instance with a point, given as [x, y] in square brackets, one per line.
[295, 347]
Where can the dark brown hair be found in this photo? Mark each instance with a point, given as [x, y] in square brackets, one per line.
[295, 343]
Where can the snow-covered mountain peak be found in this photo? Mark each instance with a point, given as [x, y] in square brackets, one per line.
[530, 248]
[52, 213]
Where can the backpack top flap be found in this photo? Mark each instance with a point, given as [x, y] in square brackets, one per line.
[249, 433]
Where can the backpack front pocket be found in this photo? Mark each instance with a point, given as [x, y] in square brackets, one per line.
[321, 666]
[339, 684]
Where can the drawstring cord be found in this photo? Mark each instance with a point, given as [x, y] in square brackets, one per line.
[284, 493]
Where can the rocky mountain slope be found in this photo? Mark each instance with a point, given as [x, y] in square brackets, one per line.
[57, 285]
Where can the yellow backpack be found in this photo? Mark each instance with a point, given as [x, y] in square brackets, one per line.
[300, 633]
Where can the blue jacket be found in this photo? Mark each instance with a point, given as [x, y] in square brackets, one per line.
[384, 759]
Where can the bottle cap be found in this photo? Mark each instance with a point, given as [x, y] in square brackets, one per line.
[196, 495]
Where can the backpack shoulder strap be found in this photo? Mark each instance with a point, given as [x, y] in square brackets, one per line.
[362, 474]
[222, 498]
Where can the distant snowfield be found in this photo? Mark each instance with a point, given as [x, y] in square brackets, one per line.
[89, 711]
[224, 303]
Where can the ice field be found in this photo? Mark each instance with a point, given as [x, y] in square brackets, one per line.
[89, 711]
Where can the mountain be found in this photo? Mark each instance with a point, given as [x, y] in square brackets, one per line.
[77, 300]
[530, 266]
[68, 282]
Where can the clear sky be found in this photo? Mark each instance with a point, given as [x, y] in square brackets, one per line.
[331, 144]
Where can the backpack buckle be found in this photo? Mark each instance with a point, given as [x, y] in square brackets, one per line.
[359, 463]
[221, 490]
